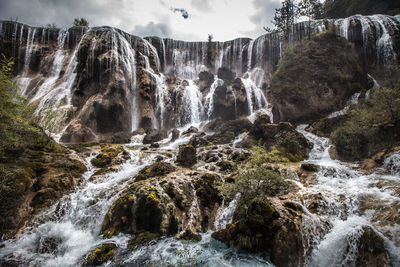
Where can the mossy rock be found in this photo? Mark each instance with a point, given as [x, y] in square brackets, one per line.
[207, 190]
[309, 167]
[102, 160]
[175, 195]
[101, 254]
[316, 77]
[188, 235]
[141, 239]
[148, 213]
[187, 155]
[156, 169]
[108, 153]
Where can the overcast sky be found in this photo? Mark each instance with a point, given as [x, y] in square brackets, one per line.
[189, 20]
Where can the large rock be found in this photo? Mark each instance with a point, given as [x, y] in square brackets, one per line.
[268, 227]
[101, 254]
[152, 136]
[371, 250]
[226, 74]
[155, 169]
[161, 205]
[187, 156]
[282, 136]
[226, 132]
[34, 180]
[310, 87]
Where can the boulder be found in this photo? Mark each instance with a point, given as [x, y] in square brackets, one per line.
[308, 87]
[226, 132]
[192, 129]
[282, 136]
[175, 134]
[309, 167]
[152, 136]
[187, 155]
[226, 74]
[77, 133]
[206, 76]
[118, 138]
[371, 249]
[155, 169]
[101, 254]
[267, 227]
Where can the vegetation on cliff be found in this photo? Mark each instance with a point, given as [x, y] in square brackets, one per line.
[316, 76]
[347, 8]
[374, 124]
[33, 167]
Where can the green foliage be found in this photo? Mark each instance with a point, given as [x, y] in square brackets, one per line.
[312, 9]
[373, 124]
[255, 179]
[17, 131]
[101, 254]
[346, 8]
[80, 22]
[326, 62]
[284, 18]
[51, 26]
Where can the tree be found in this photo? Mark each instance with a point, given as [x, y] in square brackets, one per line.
[210, 53]
[80, 22]
[284, 18]
[310, 9]
[51, 26]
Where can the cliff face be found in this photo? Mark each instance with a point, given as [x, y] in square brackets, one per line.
[100, 84]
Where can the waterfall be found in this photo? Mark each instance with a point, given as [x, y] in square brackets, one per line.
[345, 218]
[225, 214]
[75, 222]
[353, 101]
[209, 100]
[193, 107]
[256, 99]
[24, 80]
[194, 211]
[249, 54]
[392, 164]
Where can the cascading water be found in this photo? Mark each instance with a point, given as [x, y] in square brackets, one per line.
[345, 194]
[69, 229]
[353, 101]
[209, 100]
[193, 107]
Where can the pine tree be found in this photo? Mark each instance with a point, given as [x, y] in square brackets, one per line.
[80, 22]
[310, 9]
[284, 18]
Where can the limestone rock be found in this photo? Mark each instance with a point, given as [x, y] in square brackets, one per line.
[187, 155]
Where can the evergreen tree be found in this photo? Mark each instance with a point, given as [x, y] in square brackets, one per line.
[312, 9]
[210, 52]
[80, 22]
[284, 18]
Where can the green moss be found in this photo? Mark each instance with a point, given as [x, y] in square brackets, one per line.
[101, 254]
[207, 190]
[156, 169]
[373, 125]
[311, 71]
[188, 235]
[141, 239]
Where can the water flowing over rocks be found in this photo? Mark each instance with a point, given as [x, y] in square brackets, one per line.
[191, 117]
[91, 83]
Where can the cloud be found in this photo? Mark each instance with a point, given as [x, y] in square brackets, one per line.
[202, 5]
[184, 13]
[153, 29]
[263, 16]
